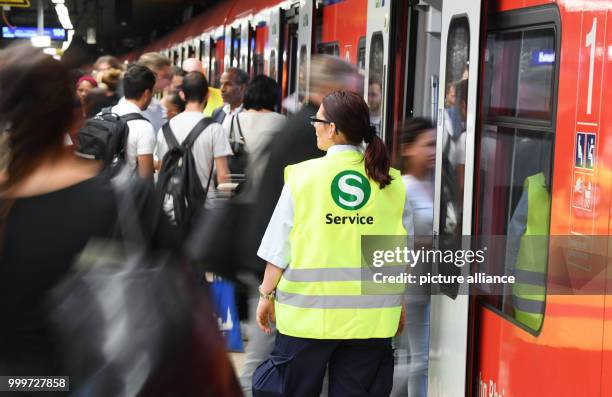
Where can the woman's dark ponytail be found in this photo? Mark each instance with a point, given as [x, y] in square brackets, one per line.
[377, 162]
[351, 115]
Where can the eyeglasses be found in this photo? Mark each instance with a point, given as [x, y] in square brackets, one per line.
[314, 120]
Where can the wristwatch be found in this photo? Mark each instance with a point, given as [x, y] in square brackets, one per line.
[269, 296]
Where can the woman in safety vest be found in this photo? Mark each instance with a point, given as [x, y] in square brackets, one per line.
[312, 282]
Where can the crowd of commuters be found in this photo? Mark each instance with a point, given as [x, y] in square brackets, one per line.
[57, 202]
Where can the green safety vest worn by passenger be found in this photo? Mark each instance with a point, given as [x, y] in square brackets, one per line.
[319, 295]
[529, 290]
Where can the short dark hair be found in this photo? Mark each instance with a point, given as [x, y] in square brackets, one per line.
[175, 99]
[195, 87]
[137, 80]
[240, 75]
[262, 93]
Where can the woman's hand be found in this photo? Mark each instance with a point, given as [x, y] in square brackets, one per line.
[265, 314]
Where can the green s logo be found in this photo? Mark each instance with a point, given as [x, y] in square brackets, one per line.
[350, 190]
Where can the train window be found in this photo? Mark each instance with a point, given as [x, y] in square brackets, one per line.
[515, 168]
[273, 65]
[376, 80]
[361, 53]
[302, 72]
[526, 57]
[329, 48]
[455, 103]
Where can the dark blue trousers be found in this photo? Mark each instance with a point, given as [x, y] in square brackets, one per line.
[357, 368]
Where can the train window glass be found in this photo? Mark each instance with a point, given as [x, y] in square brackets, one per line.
[376, 80]
[453, 152]
[515, 168]
[303, 62]
[328, 48]
[361, 53]
[273, 65]
[520, 68]
[515, 175]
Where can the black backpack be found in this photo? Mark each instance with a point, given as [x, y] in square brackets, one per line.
[104, 137]
[178, 183]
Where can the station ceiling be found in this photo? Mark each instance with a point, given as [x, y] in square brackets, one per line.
[120, 25]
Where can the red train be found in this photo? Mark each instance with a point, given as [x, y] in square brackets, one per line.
[535, 107]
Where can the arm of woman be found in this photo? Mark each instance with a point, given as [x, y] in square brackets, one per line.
[265, 307]
[275, 249]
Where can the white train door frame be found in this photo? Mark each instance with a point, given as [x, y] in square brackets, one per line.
[377, 55]
[305, 27]
[449, 322]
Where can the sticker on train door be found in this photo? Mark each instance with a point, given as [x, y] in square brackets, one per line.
[580, 142]
[590, 151]
[582, 192]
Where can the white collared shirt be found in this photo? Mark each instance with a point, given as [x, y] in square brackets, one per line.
[141, 138]
[276, 247]
[229, 114]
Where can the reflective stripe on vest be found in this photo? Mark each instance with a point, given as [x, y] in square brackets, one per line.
[529, 290]
[320, 295]
[339, 273]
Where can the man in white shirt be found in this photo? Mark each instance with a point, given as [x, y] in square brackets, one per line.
[233, 86]
[162, 68]
[138, 84]
[212, 145]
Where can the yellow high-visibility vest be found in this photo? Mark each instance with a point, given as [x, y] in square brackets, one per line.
[213, 102]
[529, 290]
[319, 295]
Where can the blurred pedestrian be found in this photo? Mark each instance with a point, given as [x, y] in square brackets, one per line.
[297, 142]
[418, 154]
[259, 123]
[162, 69]
[375, 101]
[51, 204]
[308, 259]
[215, 100]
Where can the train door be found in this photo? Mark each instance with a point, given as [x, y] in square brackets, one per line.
[304, 45]
[377, 57]
[448, 354]
[289, 47]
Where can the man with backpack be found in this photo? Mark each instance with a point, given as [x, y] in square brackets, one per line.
[138, 84]
[189, 142]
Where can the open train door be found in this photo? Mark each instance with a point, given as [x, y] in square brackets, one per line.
[377, 58]
[448, 354]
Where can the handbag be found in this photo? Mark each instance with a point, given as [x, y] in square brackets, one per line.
[238, 162]
[122, 311]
